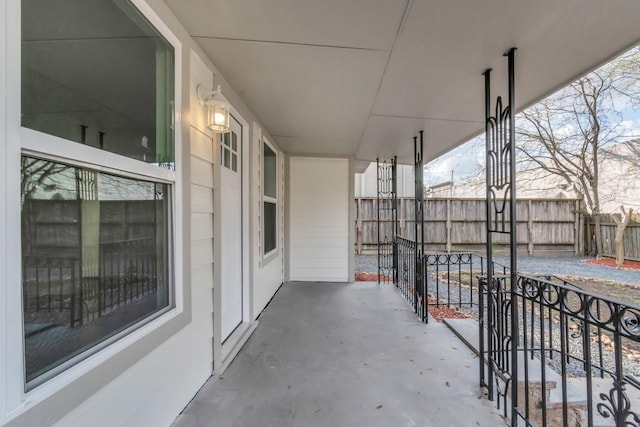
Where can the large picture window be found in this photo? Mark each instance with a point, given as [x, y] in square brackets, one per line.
[97, 232]
[269, 199]
[95, 258]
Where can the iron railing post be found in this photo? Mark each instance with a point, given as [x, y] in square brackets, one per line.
[418, 286]
[378, 214]
[394, 215]
[489, 252]
[513, 235]
[503, 348]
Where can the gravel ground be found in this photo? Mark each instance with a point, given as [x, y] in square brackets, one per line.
[572, 266]
[562, 266]
[366, 263]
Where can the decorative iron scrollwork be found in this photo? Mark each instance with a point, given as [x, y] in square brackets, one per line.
[630, 321]
[405, 271]
[576, 328]
[499, 154]
[387, 219]
[618, 406]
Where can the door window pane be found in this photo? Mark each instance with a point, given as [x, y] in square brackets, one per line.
[227, 158]
[97, 73]
[270, 168]
[95, 254]
[270, 222]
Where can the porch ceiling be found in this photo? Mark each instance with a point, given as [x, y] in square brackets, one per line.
[360, 79]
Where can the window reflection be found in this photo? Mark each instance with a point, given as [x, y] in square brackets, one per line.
[95, 258]
[270, 170]
[97, 73]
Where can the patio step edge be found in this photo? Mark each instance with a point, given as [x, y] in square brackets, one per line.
[466, 330]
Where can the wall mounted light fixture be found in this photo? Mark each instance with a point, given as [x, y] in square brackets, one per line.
[217, 108]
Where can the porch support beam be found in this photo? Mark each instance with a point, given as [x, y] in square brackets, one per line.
[514, 235]
[502, 352]
[419, 291]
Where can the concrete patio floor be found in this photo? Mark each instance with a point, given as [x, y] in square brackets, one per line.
[327, 354]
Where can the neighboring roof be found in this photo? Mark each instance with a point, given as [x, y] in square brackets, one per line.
[366, 183]
[442, 184]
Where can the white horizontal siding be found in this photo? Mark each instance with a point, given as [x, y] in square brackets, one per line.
[319, 219]
[201, 172]
[327, 263]
[317, 252]
[318, 230]
[201, 199]
[201, 226]
[202, 277]
[201, 145]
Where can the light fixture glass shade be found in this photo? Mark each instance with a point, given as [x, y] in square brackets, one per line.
[218, 113]
[218, 120]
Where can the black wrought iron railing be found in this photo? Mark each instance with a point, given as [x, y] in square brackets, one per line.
[61, 291]
[578, 352]
[51, 290]
[406, 277]
[451, 280]
[127, 273]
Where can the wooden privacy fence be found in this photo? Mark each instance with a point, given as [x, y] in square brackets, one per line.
[608, 231]
[459, 224]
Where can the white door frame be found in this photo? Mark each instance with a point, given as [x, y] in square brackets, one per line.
[223, 352]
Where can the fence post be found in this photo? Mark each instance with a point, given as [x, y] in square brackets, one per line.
[576, 229]
[448, 243]
[589, 235]
[529, 229]
[359, 227]
[402, 218]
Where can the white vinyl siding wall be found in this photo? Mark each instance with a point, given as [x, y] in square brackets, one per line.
[319, 219]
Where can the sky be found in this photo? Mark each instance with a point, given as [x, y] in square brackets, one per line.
[469, 158]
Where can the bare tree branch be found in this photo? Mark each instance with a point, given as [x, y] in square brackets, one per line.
[564, 134]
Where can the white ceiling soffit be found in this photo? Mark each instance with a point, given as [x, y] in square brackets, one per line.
[360, 79]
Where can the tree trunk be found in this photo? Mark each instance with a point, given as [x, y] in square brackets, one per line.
[621, 221]
[598, 234]
[619, 242]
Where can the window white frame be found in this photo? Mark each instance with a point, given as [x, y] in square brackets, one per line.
[62, 391]
[4, 243]
[266, 256]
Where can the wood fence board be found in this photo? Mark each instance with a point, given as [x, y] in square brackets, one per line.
[631, 240]
[542, 223]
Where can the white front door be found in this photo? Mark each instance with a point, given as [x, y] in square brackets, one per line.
[231, 228]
